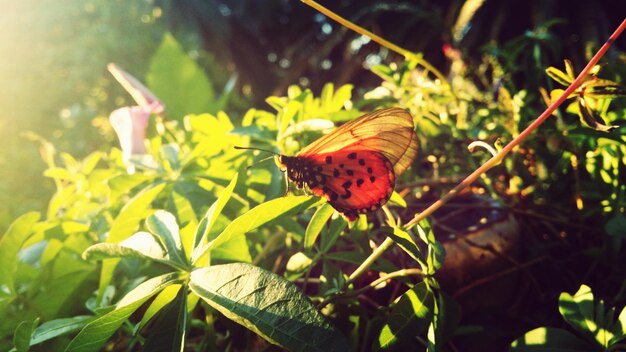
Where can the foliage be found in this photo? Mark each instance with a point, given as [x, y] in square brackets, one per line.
[166, 249]
[598, 328]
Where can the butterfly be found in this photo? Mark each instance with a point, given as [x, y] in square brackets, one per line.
[355, 166]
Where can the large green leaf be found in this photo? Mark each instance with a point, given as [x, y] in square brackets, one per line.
[547, 339]
[179, 82]
[10, 244]
[95, 334]
[410, 316]
[262, 214]
[168, 332]
[141, 245]
[268, 305]
[58, 327]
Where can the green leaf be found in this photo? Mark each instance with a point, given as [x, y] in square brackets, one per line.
[170, 153]
[288, 115]
[164, 226]
[134, 212]
[578, 310]
[569, 68]
[122, 184]
[91, 161]
[141, 245]
[168, 332]
[619, 329]
[60, 294]
[329, 237]
[10, 243]
[546, 339]
[166, 295]
[326, 96]
[268, 305]
[449, 316]
[397, 199]
[603, 89]
[276, 102]
[591, 119]
[206, 224]
[262, 214]
[237, 249]
[342, 95]
[23, 335]
[59, 173]
[58, 327]
[298, 263]
[318, 221]
[179, 82]
[559, 76]
[95, 334]
[436, 252]
[410, 316]
[406, 242]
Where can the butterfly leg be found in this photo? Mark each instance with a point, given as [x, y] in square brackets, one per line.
[286, 186]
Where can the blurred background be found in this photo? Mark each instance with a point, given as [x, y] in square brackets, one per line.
[55, 87]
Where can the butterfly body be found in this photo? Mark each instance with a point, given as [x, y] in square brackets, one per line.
[355, 167]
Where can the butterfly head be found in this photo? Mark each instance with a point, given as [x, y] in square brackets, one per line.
[298, 169]
[279, 160]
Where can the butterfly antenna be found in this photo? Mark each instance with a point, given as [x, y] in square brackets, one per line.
[258, 162]
[262, 160]
[259, 149]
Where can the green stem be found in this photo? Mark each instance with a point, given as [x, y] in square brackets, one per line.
[383, 278]
[388, 242]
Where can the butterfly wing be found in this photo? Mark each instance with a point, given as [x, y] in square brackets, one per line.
[389, 132]
[352, 182]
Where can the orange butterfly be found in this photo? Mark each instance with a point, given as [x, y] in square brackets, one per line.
[355, 167]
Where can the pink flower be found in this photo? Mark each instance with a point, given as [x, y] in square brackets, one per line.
[130, 122]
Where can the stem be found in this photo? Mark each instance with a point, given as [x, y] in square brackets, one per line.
[515, 142]
[383, 278]
[388, 242]
[383, 42]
